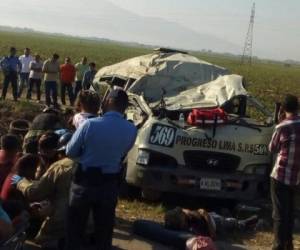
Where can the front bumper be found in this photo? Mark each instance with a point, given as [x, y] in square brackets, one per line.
[181, 180]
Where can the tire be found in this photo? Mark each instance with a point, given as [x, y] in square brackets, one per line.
[129, 191]
[151, 195]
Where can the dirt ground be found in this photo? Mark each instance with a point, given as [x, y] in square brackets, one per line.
[133, 208]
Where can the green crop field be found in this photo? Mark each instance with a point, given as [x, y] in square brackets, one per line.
[268, 81]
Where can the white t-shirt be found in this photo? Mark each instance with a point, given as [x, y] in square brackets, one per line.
[34, 74]
[25, 61]
[80, 118]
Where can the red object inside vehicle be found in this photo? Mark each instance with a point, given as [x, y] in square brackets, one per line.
[207, 117]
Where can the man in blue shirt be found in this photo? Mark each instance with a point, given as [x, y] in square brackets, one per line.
[10, 66]
[99, 145]
[89, 76]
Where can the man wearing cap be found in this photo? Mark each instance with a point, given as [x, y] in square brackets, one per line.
[99, 145]
[286, 172]
[53, 186]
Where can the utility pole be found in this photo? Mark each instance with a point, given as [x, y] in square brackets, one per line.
[247, 53]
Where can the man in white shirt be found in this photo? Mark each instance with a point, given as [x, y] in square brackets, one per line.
[35, 77]
[25, 70]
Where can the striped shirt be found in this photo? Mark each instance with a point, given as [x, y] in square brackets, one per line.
[286, 143]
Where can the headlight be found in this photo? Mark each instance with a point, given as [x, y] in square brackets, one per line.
[143, 157]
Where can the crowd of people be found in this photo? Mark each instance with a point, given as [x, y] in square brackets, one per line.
[57, 175]
[69, 166]
[27, 71]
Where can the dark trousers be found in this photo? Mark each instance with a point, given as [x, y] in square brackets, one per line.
[37, 84]
[102, 201]
[66, 86]
[283, 215]
[24, 79]
[51, 90]
[78, 88]
[11, 77]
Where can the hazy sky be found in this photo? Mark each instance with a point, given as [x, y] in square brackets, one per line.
[276, 32]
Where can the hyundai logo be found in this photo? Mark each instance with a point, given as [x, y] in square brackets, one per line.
[212, 162]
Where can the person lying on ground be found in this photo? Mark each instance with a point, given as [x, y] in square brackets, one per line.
[88, 105]
[200, 222]
[47, 145]
[49, 120]
[9, 153]
[13, 200]
[53, 185]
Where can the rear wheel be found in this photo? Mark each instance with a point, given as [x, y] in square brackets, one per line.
[129, 191]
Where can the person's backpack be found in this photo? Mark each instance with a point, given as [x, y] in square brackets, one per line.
[200, 243]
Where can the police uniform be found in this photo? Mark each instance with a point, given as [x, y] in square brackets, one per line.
[99, 145]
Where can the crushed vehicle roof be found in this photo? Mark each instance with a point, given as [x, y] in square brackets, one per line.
[211, 94]
[159, 71]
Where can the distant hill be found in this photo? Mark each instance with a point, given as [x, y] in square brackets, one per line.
[208, 52]
[107, 20]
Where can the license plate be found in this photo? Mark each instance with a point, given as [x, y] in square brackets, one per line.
[210, 184]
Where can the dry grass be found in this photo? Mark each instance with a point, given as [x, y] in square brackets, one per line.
[131, 210]
[268, 81]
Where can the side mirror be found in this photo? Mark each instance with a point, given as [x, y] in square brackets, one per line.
[277, 111]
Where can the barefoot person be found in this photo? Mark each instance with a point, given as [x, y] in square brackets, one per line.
[285, 175]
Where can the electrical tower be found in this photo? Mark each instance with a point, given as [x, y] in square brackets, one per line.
[247, 53]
